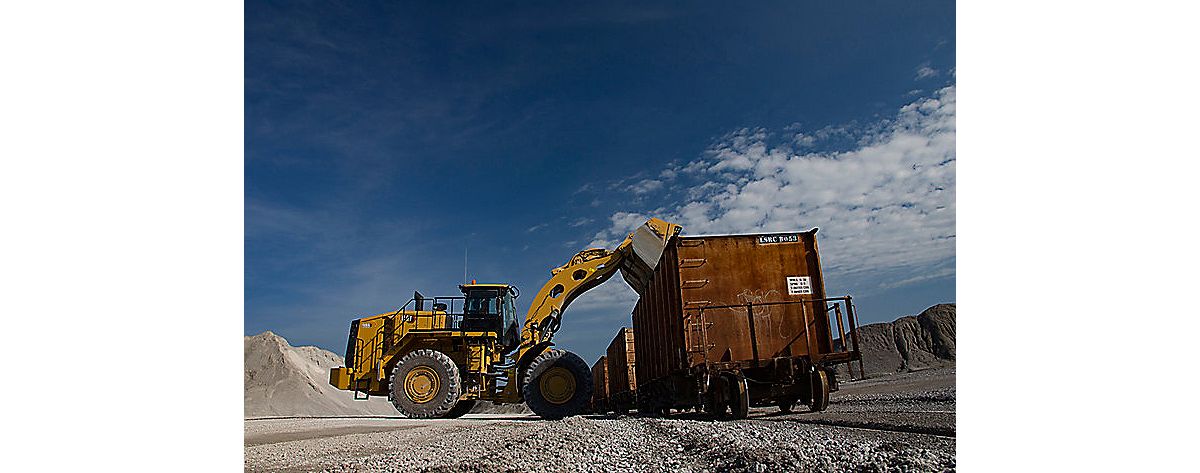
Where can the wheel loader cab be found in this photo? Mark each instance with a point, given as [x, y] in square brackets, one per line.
[490, 307]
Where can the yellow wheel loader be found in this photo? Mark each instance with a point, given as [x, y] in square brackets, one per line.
[438, 356]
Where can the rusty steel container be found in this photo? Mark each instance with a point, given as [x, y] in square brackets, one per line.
[600, 385]
[622, 379]
[750, 305]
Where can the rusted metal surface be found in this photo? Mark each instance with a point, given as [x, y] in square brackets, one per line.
[739, 302]
[832, 317]
[658, 320]
[621, 364]
[740, 270]
[600, 384]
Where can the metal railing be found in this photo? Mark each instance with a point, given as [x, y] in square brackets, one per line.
[444, 313]
[834, 309]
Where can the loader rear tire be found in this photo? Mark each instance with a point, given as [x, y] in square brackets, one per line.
[425, 384]
[558, 384]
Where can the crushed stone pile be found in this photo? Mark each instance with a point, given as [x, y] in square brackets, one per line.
[282, 380]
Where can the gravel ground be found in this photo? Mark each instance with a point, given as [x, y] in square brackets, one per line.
[898, 423]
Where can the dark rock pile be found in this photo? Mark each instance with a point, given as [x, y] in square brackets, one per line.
[908, 343]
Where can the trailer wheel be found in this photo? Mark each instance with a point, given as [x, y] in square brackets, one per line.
[425, 384]
[785, 406]
[739, 401]
[716, 400]
[464, 406]
[820, 391]
[654, 400]
[558, 384]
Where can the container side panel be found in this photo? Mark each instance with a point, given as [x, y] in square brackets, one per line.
[620, 364]
[657, 322]
[600, 379]
[630, 372]
[753, 269]
[672, 312]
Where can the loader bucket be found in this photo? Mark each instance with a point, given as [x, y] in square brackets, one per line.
[645, 249]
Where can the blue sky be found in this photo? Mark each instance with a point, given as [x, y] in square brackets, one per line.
[384, 141]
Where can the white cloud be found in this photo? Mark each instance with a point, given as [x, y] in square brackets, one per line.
[586, 187]
[645, 186]
[934, 274]
[581, 222]
[614, 294]
[620, 225]
[886, 205]
[925, 72]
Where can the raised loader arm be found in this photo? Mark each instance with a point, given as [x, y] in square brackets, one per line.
[636, 257]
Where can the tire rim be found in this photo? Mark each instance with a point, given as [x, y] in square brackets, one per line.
[421, 384]
[557, 385]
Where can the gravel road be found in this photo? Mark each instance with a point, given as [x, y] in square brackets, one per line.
[896, 423]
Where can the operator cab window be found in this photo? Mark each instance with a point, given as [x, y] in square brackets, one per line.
[481, 310]
[482, 303]
[509, 337]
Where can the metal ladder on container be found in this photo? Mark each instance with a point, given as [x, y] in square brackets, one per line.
[698, 336]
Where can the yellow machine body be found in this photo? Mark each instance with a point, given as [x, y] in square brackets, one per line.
[378, 341]
[492, 362]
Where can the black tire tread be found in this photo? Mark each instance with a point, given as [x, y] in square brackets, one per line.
[453, 384]
[462, 408]
[583, 385]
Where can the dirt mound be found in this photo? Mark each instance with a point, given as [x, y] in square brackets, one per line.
[282, 380]
[908, 343]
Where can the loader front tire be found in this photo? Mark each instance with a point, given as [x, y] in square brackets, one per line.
[558, 384]
[425, 384]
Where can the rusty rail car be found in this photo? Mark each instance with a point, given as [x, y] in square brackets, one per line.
[600, 403]
[734, 321]
[622, 379]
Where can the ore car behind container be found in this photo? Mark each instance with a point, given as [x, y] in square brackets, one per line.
[600, 386]
[622, 381]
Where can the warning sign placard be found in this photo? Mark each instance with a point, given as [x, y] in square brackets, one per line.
[797, 285]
